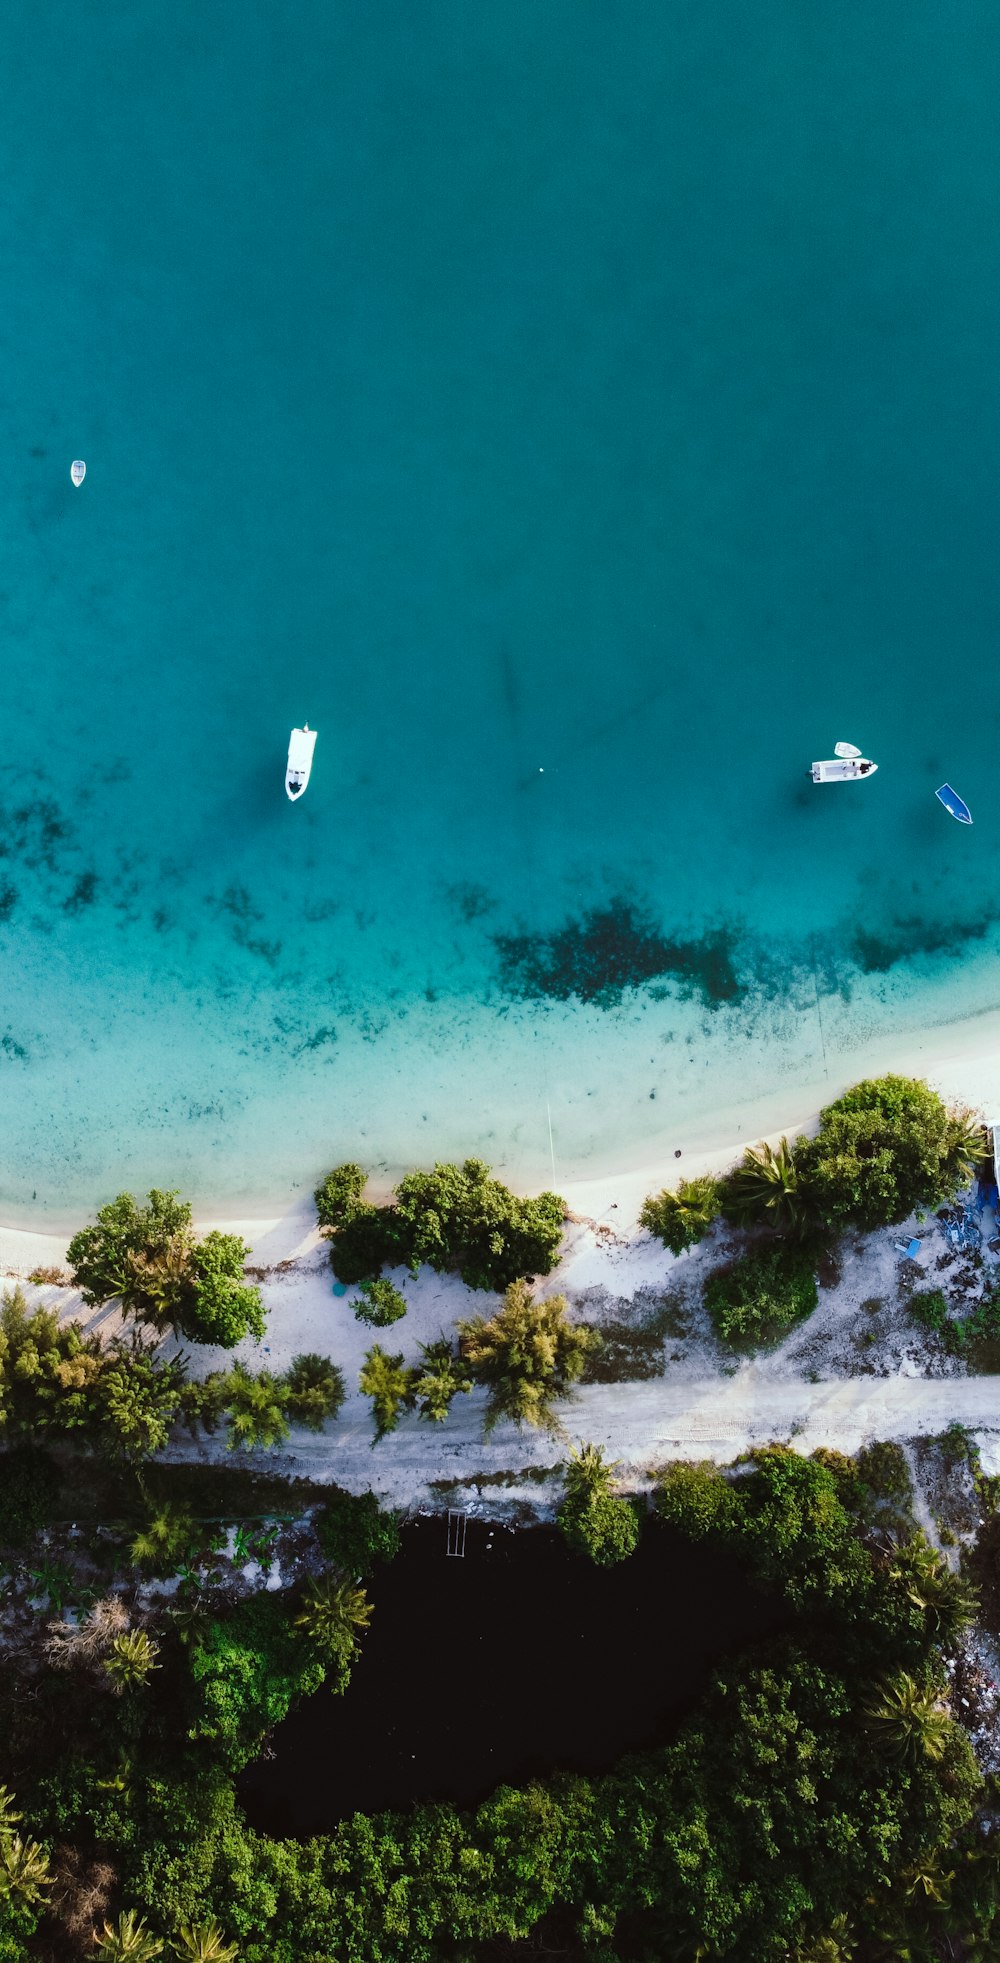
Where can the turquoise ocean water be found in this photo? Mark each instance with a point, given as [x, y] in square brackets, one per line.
[583, 416]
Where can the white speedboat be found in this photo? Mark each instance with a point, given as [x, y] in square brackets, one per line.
[78, 471]
[842, 770]
[301, 745]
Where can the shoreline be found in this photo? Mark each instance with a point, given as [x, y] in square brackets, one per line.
[961, 1060]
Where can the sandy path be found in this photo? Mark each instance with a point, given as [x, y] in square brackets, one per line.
[643, 1425]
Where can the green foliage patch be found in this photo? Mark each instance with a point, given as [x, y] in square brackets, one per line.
[762, 1294]
[457, 1219]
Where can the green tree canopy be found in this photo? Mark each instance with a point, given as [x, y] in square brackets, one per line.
[147, 1256]
[593, 1518]
[528, 1355]
[458, 1218]
[885, 1148]
[391, 1387]
[313, 1390]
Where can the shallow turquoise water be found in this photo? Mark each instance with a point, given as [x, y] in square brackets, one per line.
[583, 416]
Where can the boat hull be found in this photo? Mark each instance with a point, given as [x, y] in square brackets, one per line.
[842, 770]
[954, 804]
[301, 745]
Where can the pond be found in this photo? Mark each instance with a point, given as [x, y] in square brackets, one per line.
[518, 1661]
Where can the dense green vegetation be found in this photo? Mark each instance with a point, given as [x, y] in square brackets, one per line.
[148, 1257]
[763, 1293]
[682, 1218]
[820, 1794]
[457, 1219]
[593, 1518]
[124, 1397]
[886, 1148]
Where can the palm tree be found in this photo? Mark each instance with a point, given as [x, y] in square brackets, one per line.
[528, 1354]
[442, 1376]
[965, 1148]
[947, 1599]
[24, 1868]
[683, 1218]
[909, 1719]
[835, 1945]
[332, 1610]
[204, 1942]
[131, 1660]
[163, 1542]
[255, 1407]
[766, 1187]
[9, 1815]
[314, 1390]
[128, 1941]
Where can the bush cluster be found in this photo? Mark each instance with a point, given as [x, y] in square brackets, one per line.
[763, 1293]
[886, 1148]
[456, 1219]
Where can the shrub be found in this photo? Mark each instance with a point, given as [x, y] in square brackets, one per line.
[527, 1355]
[339, 1195]
[683, 1218]
[380, 1304]
[762, 1294]
[885, 1148]
[355, 1534]
[246, 1668]
[884, 1470]
[930, 1308]
[459, 1218]
[592, 1518]
[696, 1498]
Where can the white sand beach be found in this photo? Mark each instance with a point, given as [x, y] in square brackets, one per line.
[816, 1388]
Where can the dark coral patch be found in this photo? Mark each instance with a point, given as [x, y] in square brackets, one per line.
[614, 948]
[8, 899]
[903, 940]
[83, 895]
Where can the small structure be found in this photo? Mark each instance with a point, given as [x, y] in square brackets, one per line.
[457, 1523]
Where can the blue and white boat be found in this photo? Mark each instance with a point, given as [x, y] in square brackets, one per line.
[955, 804]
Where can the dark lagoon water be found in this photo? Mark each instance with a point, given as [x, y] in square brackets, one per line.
[518, 1661]
[584, 416]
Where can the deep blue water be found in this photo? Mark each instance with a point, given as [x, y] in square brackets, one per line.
[584, 416]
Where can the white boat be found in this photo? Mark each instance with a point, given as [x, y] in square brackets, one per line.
[301, 745]
[846, 750]
[78, 471]
[842, 770]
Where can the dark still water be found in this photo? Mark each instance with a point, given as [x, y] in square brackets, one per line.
[519, 1661]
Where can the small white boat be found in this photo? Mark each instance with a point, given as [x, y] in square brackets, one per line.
[842, 770]
[78, 471]
[846, 750]
[301, 745]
